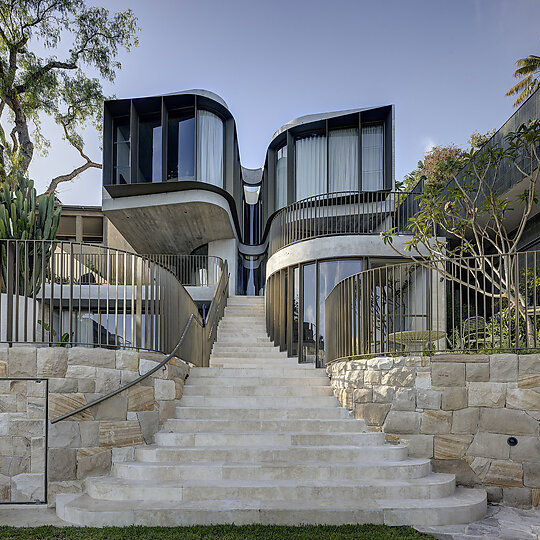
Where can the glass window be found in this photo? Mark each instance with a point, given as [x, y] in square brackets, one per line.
[181, 146]
[149, 149]
[309, 321]
[121, 151]
[310, 166]
[295, 308]
[281, 178]
[330, 274]
[209, 148]
[373, 158]
[343, 160]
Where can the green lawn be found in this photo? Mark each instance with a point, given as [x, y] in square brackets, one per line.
[228, 532]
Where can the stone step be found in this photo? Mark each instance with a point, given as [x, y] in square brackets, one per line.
[219, 382]
[182, 425]
[241, 346]
[299, 371]
[163, 438]
[274, 454]
[258, 401]
[265, 413]
[208, 486]
[267, 390]
[238, 355]
[464, 506]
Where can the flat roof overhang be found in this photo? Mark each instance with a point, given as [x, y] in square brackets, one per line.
[171, 217]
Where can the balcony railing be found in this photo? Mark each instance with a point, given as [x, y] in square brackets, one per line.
[67, 294]
[341, 213]
[192, 270]
[469, 304]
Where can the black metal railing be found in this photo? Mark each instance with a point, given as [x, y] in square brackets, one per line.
[343, 213]
[469, 304]
[192, 270]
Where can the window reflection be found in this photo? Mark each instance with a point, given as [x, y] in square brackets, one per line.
[281, 178]
[310, 166]
[309, 314]
[149, 154]
[181, 146]
[121, 151]
[373, 158]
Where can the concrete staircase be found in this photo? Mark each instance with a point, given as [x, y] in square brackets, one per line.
[259, 438]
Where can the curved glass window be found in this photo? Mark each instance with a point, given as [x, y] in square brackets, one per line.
[281, 178]
[181, 146]
[149, 149]
[310, 166]
[122, 152]
[373, 158]
[209, 148]
[343, 160]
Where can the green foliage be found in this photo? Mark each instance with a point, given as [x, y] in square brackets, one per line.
[64, 340]
[527, 71]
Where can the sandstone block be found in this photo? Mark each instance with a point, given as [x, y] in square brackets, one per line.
[479, 465]
[522, 398]
[428, 399]
[529, 364]
[62, 385]
[149, 422]
[3, 369]
[93, 462]
[464, 475]
[14, 465]
[448, 374]
[527, 449]
[62, 464]
[127, 376]
[81, 372]
[69, 486]
[27, 428]
[518, 497]
[52, 361]
[86, 385]
[146, 365]
[107, 380]
[436, 422]
[89, 434]
[405, 399]
[128, 360]
[487, 394]
[419, 445]
[120, 433]
[465, 420]
[503, 367]
[494, 494]
[372, 377]
[36, 389]
[86, 356]
[511, 422]
[383, 394]
[401, 376]
[125, 453]
[454, 399]
[535, 495]
[60, 404]
[529, 381]
[531, 475]
[167, 410]
[373, 413]
[451, 446]
[27, 487]
[417, 361]
[469, 358]
[164, 390]
[423, 380]
[489, 445]
[22, 362]
[403, 422]
[8, 403]
[114, 408]
[359, 395]
[140, 398]
[37, 455]
[36, 408]
[477, 372]
[380, 363]
[505, 473]
[65, 434]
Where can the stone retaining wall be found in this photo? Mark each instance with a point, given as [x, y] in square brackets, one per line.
[86, 444]
[458, 410]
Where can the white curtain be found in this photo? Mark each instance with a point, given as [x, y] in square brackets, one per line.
[343, 160]
[281, 178]
[209, 148]
[372, 158]
[310, 166]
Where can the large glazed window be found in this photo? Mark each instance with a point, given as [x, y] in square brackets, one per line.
[281, 178]
[121, 152]
[373, 157]
[149, 149]
[343, 160]
[310, 166]
[181, 146]
[309, 323]
[209, 148]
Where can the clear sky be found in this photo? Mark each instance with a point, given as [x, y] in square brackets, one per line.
[445, 64]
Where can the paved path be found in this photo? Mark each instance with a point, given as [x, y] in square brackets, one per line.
[501, 522]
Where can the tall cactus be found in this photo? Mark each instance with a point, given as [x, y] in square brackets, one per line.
[26, 216]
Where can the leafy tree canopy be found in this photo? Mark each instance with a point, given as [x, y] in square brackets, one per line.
[38, 78]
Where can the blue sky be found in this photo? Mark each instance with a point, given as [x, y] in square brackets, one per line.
[445, 64]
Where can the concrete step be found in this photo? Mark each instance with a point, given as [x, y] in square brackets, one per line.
[218, 382]
[254, 439]
[208, 486]
[464, 506]
[267, 390]
[351, 455]
[258, 353]
[255, 370]
[265, 413]
[243, 402]
[240, 346]
[182, 425]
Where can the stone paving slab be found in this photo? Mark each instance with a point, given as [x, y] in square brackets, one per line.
[501, 522]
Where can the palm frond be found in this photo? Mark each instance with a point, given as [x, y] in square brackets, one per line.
[528, 72]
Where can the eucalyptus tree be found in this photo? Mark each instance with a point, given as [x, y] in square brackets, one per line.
[54, 57]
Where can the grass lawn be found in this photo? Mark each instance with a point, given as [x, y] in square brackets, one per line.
[228, 532]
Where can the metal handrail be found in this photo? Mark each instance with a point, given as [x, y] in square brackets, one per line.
[130, 384]
[185, 268]
[342, 213]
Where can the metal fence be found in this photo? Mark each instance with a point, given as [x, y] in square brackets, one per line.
[349, 212]
[66, 294]
[465, 304]
[192, 270]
